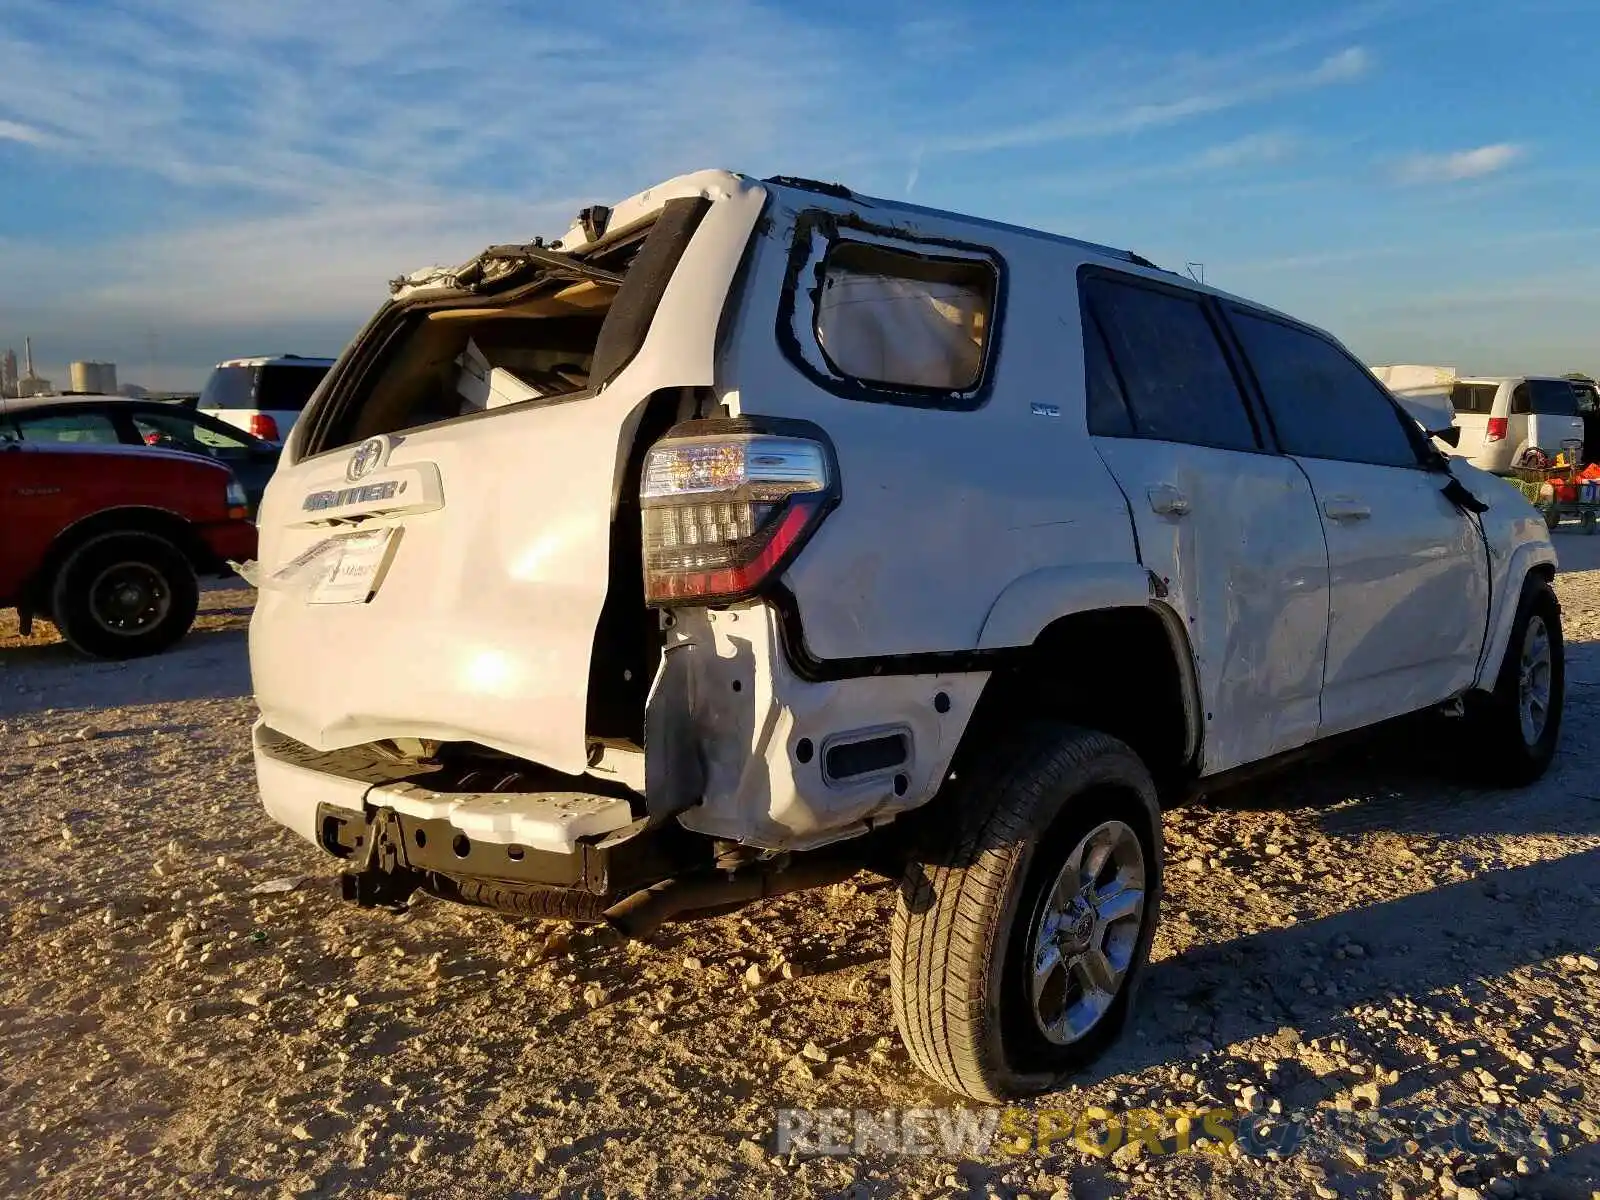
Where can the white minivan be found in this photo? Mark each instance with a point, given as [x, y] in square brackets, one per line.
[1502, 418]
[263, 396]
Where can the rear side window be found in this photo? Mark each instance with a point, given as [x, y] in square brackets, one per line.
[1474, 397]
[286, 389]
[229, 388]
[900, 320]
[1553, 397]
[1323, 403]
[1167, 365]
[68, 429]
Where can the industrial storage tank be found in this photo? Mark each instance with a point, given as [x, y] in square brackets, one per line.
[99, 378]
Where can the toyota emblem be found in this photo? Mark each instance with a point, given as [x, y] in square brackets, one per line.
[365, 460]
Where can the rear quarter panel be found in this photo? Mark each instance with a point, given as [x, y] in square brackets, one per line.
[941, 510]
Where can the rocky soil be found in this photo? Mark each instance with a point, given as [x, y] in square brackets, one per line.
[187, 1008]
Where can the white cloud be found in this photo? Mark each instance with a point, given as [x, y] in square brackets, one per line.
[1217, 88]
[1348, 64]
[16, 131]
[1460, 165]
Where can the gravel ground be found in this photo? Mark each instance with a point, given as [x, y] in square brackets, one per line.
[187, 1008]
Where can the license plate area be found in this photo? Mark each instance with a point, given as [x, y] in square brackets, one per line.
[347, 568]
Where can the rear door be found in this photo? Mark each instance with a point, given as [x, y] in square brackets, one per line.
[1408, 570]
[1229, 527]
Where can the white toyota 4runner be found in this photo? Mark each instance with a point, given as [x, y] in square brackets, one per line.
[757, 532]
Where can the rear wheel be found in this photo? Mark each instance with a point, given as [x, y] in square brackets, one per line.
[1023, 928]
[124, 595]
[1514, 729]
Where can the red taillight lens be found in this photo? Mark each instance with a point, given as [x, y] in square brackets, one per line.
[264, 427]
[1496, 431]
[724, 513]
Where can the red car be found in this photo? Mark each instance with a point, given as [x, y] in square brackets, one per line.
[108, 541]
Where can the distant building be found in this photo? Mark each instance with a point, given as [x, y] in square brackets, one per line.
[133, 391]
[97, 378]
[30, 384]
[8, 374]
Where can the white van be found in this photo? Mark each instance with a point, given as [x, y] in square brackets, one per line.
[1501, 418]
[263, 396]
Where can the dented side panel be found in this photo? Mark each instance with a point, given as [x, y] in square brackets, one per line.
[730, 720]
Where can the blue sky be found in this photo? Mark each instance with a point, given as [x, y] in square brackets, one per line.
[192, 179]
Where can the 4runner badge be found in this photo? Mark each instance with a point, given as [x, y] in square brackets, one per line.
[366, 459]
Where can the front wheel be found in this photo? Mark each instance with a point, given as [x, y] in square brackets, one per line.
[1023, 928]
[1514, 729]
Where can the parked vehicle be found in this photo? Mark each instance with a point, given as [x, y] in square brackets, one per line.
[106, 420]
[107, 540]
[757, 532]
[1502, 418]
[263, 396]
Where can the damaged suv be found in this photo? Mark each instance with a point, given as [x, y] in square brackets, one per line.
[757, 532]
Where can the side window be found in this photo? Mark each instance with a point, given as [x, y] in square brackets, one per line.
[1521, 401]
[904, 321]
[1323, 403]
[1108, 411]
[73, 429]
[180, 433]
[1166, 364]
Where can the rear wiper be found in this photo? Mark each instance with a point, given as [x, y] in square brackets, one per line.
[472, 276]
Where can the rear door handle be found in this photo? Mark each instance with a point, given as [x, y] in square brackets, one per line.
[1167, 500]
[1345, 508]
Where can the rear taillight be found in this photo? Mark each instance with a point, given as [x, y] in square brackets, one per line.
[1496, 431]
[264, 427]
[724, 513]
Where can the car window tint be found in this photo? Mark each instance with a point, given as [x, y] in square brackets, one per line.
[1474, 397]
[287, 389]
[1521, 405]
[1175, 377]
[230, 388]
[180, 432]
[73, 428]
[1553, 397]
[1323, 403]
[1108, 411]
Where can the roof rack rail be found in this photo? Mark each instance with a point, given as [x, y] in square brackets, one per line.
[837, 190]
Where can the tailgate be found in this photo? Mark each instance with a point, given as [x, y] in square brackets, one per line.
[474, 618]
[481, 623]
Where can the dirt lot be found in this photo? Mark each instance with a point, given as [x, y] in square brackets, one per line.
[187, 1008]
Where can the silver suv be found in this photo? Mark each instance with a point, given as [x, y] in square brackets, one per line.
[757, 532]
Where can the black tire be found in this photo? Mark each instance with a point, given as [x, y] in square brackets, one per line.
[102, 626]
[960, 953]
[1495, 726]
[548, 904]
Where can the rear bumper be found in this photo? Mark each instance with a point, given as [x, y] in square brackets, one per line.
[381, 815]
[226, 540]
[740, 749]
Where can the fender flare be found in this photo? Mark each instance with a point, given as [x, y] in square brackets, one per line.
[1031, 603]
[1524, 559]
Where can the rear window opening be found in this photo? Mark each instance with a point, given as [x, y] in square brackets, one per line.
[887, 317]
[541, 335]
[1474, 397]
[872, 314]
